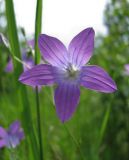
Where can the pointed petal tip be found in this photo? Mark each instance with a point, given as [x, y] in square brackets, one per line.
[90, 29]
[81, 47]
[39, 75]
[53, 50]
[66, 100]
[40, 36]
[20, 78]
[64, 120]
[96, 78]
[115, 87]
[112, 89]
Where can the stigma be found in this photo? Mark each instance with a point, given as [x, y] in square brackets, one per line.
[71, 72]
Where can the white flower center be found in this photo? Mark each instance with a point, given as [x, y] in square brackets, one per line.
[68, 74]
[71, 72]
[13, 141]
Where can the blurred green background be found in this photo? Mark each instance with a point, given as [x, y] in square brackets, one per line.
[99, 129]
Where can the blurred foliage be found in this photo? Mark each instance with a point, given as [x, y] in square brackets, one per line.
[3, 50]
[96, 140]
[112, 53]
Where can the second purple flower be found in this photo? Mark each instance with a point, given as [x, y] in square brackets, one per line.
[12, 137]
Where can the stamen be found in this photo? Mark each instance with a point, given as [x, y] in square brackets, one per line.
[71, 72]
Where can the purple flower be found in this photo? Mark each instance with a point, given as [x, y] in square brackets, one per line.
[28, 63]
[31, 43]
[66, 69]
[12, 137]
[9, 66]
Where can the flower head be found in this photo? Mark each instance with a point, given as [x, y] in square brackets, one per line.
[9, 66]
[12, 137]
[27, 59]
[28, 63]
[67, 69]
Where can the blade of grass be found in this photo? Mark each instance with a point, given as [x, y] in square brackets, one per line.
[13, 37]
[15, 50]
[75, 141]
[38, 25]
[104, 123]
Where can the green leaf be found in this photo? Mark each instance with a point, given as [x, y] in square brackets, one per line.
[15, 50]
[38, 25]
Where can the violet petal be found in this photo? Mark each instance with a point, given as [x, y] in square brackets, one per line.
[53, 50]
[14, 127]
[95, 78]
[31, 43]
[9, 66]
[2, 143]
[13, 141]
[20, 134]
[81, 47]
[38, 75]
[66, 100]
[3, 132]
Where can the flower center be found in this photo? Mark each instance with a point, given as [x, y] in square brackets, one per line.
[13, 141]
[71, 72]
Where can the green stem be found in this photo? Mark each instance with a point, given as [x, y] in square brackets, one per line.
[13, 155]
[75, 141]
[23, 99]
[38, 26]
[39, 124]
[104, 123]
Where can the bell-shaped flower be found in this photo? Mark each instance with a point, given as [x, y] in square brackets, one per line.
[67, 69]
[12, 137]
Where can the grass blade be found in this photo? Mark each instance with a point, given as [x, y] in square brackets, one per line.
[38, 25]
[104, 123]
[15, 50]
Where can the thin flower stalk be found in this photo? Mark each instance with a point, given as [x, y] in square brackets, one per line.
[38, 25]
